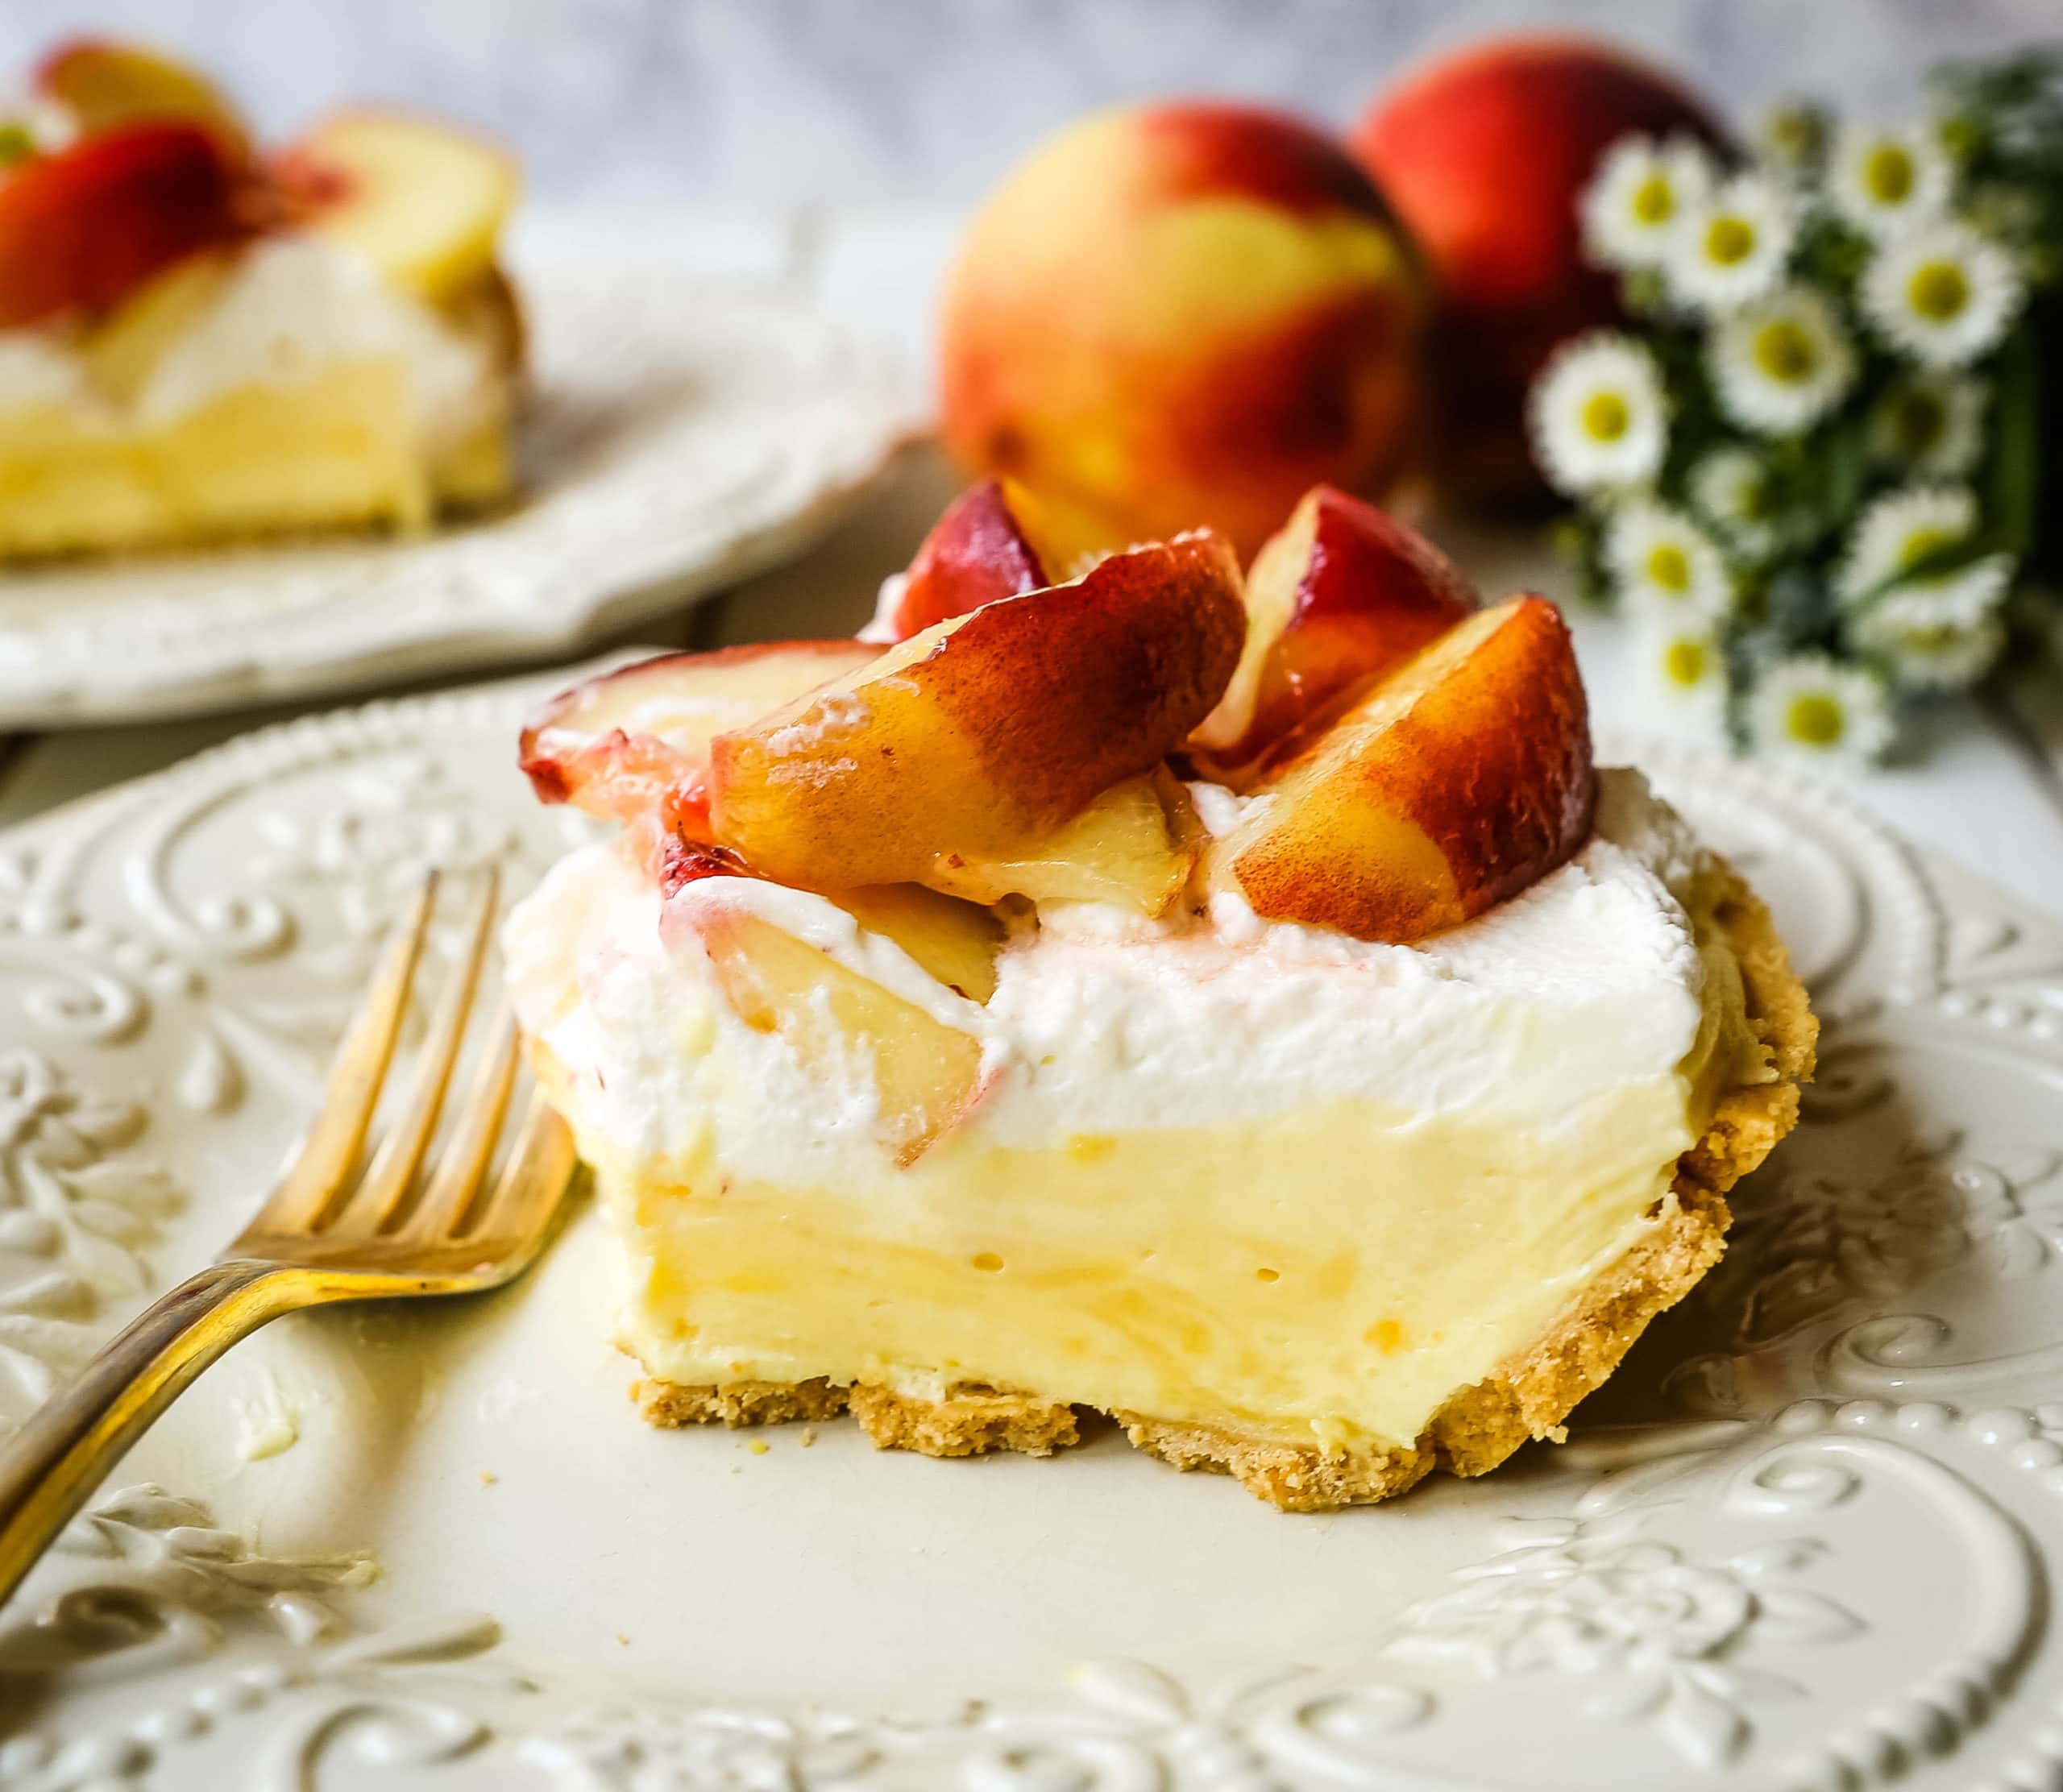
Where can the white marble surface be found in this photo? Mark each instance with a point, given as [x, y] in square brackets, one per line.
[837, 101]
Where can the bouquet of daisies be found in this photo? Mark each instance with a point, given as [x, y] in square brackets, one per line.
[1813, 467]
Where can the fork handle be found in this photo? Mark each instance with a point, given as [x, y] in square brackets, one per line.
[65, 1452]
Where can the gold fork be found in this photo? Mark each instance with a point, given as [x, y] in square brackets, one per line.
[329, 1232]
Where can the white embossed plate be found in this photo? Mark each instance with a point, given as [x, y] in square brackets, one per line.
[1806, 1538]
[679, 437]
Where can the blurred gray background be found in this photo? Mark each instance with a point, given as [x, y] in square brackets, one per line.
[745, 102]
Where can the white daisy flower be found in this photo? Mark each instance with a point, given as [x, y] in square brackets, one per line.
[1943, 296]
[1731, 489]
[1813, 710]
[1734, 247]
[1638, 197]
[1664, 564]
[1597, 415]
[1688, 666]
[1885, 181]
[1782, 363]
[1930, 423]
[1929, 639]
[1900, 530]
[1968, 595]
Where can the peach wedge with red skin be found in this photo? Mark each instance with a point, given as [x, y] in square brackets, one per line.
[978, 551]
[995, 540]
[635, 742]
[1456, 782]
[423, 201]
[83, 228]
[1338, 595]
[986, 731]
[101, 84]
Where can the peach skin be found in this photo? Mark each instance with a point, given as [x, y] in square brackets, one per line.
[1339, 594]
[987, 730]
[978, 551]
[1177, 315]
[636, 742]
[425, 202]
[81, 228]
[1459, 779]
[1485, 155]
[101, 84]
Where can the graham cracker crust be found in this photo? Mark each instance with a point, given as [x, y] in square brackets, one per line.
[968, 1419]
[738, 1403]
[1526, 1396]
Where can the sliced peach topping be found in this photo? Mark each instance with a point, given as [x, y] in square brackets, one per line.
[83, 228]
[101, 84]
[841, 1024]
[636, 740]
[1459, 779]
[985, 733]
[956, 942]
[995, 540]
[1337, 597]
[424, 201]
[977, 552]
[1133, 847]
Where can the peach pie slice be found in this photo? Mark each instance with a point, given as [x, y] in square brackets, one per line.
[1238, 1007]
[201, 343]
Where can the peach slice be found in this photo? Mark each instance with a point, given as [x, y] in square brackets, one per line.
[977, 552]
[984, 733]
[424, 202]
[1456, 782]
[1338, 595]
[995, 540]
[955, 941]
[636, 742]
[841, 1025]
[1133, 847]
[82, 229]
[101, 84]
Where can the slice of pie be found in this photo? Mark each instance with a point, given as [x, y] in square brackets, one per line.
[201, 343]
[960, 1037]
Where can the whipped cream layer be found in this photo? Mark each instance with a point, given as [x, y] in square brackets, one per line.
[291, 308]
[1102, 1022]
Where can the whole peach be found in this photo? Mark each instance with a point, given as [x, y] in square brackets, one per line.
[1175, 316]
[1485, 155]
